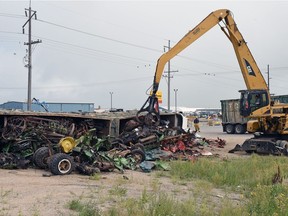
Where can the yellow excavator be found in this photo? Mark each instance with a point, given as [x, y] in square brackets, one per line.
[270, 122]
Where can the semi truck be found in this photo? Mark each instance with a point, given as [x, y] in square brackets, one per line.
[232, 121]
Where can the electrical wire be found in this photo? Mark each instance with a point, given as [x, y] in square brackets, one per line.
[93, 50]
[122, 42]
[12, 15]
[99, 36]
[83, 86]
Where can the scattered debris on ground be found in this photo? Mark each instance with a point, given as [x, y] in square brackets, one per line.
[62, 146]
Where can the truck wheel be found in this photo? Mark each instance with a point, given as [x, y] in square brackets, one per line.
[230, 129]
[137, 154]
[239, 129]
[40, 157]
[61, 164]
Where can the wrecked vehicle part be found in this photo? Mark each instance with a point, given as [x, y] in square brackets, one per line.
[41, 156]
[67, 144]
[61, 164]
[13, 161]
[138, 146]
[87, 169]
[39, 130]
[220, 143]
[138, 155]
[147, 166]
[158, 154]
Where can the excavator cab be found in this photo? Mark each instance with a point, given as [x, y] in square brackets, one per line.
[252, 100]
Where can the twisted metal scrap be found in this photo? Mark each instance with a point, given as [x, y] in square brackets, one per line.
[24, 134]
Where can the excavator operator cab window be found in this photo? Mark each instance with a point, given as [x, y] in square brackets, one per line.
[252, 100]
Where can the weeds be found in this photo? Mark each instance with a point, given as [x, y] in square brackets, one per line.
[163, 204]
[84, 208]
[118, 191]
[4, 204]
[95, 177]
[249, 178]
[247, 172]
[268, 200]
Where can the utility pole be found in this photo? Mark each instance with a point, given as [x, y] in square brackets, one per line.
[176, 90]
[268, 79]
[29, 43]
[169, 76]
[111, 100]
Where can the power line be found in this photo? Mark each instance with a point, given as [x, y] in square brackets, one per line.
[83, 86]
[122, 42]
[99, 36]
[12, 15]
[93, 50]
[125, 43]
[138, 59]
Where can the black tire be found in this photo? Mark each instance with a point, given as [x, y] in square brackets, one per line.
[239, 129]
[40, 157]
[137, 154]
[61, 164]
[230, 129]
[138, 146]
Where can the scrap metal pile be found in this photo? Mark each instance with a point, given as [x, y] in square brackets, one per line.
[63, 145]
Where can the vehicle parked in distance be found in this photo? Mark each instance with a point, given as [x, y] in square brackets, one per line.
[232, 121]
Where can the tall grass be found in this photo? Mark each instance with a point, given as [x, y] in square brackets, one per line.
[248, 172]
[268, 200]
[160, 203]
[252, 174]
[84, 208]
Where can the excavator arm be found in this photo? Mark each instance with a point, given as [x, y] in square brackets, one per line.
[252, 76]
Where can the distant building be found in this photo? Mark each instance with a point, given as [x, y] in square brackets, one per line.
[191, 110]
[51, 107]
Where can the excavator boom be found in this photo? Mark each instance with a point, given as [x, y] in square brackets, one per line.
[251, 73]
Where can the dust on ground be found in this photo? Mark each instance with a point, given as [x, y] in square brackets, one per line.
[33, 192]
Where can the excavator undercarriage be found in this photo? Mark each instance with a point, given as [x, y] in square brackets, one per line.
[262, 144]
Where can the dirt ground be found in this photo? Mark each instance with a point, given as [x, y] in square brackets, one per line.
[31, 192]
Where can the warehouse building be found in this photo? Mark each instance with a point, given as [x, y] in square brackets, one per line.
[49, 107]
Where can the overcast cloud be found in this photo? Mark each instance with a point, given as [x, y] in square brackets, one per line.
[91, 48]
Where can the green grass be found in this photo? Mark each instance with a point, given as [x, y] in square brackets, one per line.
[163, 204]
[268, 200]
[253, 175]
[118, 191]
[249, 178]
[95, 177]
[247, 173]
[83, 208]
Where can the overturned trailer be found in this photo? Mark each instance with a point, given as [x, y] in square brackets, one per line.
[63, 142]
[24, 132]
[14, 123]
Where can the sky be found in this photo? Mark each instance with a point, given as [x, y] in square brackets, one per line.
[95, 51]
